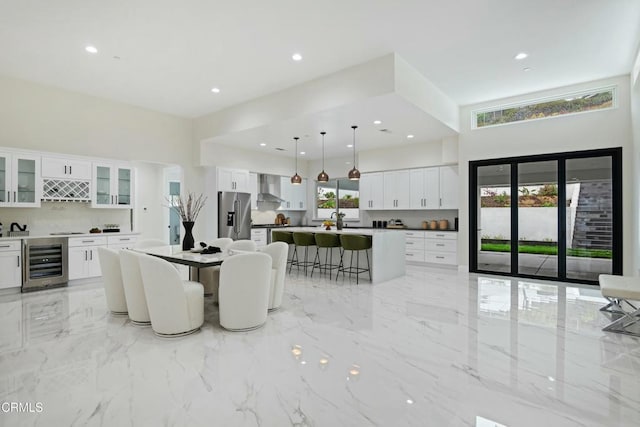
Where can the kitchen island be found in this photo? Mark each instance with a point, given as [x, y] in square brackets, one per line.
[387, 253]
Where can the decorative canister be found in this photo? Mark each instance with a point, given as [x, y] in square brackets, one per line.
[433, 225]
[425, 225]
[443, 224]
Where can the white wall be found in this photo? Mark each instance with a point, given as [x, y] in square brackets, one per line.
[45, 118]
[600, 129]
[433, 153]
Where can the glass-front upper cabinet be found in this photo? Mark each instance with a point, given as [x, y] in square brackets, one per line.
[113, 186]
[20, 182]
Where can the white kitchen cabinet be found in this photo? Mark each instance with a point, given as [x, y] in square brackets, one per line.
[61, 168]
[121, 241]
[448, 187]
[10, 264]
[371, 189]
[83, 257]
[20, 180]
[253, 187]
[396, 189]
[233, 180]
[431, 247]
[113, 186]
[425, 188]
[294, 196]
[259, 235]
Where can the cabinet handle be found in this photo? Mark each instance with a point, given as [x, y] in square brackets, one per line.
[409, 254]
[8, 197]
[88, 241]
[86, 256]
[14, 197]
[439, 257]
[122, 239]
[440, 201]
[116, 199]
[18, 260]
[65, 169]
[91, 255]
[439, 244]
[5, 246]
[111, 199]
[439, 235]
[69, 170]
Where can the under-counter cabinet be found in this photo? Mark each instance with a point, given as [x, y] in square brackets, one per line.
[113, 186]
[233, 180]
[121, 242]
[20, 180]
[83, 257]
[10, 264]
[371, 191]
[259, 236]
[432, 247]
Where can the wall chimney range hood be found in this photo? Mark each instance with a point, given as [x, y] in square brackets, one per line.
[269, 188]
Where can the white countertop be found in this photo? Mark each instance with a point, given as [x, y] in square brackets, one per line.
[356, 230]
[44, 236]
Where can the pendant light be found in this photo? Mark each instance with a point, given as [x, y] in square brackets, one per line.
[354, 174]
[296, 179]
[322, 176]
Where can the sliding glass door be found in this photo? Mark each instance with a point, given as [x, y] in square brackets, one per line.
[552, 216]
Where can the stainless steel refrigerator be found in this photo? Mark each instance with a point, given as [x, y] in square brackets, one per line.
[234, 215]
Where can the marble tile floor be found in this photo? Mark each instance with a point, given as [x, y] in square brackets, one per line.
[435, 348]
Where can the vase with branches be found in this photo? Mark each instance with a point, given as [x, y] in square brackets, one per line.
[188, 208]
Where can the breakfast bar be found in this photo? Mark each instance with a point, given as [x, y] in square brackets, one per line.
[387, 253]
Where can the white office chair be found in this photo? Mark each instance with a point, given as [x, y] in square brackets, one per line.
[176, 307]
[133, 288]
[210, 277]
[112, 281]
[244, 291]
[149, 243]
[278, 252]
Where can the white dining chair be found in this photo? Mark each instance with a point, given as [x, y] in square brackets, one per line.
[278, 252]
[112, 281]
[176, 306]
[134, 288]
[210, 277]
[244, 291]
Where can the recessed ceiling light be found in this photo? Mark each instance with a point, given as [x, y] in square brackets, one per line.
[350, 146]
[91, 49]
[296, 57]
[377, 122]
[527, 69]
[215, 90]
[409, 136]
[262, 144]
[521, 55]
[302, 153]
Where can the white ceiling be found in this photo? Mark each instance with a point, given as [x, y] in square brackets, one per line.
[173, 52]
[399, 119]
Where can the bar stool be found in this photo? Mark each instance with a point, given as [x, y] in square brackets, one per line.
[303, 239]
[354, 243]
[287, 237]
[328, 242]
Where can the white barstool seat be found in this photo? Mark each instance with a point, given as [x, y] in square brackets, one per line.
[244, 291]
[133, 288]
[278, 252]
[620, 291]
[176, 306]
[112, 281]
[210, 277]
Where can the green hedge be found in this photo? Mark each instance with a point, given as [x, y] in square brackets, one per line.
[548, 250]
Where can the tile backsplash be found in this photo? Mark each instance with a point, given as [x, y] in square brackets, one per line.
[63, 216]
